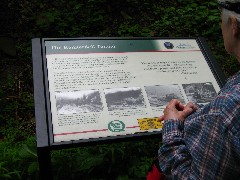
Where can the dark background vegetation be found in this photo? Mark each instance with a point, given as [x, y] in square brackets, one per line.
[22, 20]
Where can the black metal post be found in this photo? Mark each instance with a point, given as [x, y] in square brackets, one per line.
[45, 165]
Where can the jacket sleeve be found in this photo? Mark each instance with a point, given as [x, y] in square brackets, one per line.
[213, 146]
[173, 154]
[207, 143]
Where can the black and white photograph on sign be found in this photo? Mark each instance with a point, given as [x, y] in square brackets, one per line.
[160, 95]
[75, 102]
[124, 98]
[200, 92]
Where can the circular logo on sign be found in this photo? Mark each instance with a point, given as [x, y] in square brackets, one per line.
[116, 126]
[168, 45]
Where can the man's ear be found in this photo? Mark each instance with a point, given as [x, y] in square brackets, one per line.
[234, 25]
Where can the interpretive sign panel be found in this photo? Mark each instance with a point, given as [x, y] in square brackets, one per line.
[115, 87]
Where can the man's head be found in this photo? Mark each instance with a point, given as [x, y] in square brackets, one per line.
[231, 25]
[230, 8]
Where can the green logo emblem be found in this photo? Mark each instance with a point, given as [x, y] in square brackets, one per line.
[116, 126]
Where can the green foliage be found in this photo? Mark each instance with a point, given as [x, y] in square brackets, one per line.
[7, 46]
[128, 160]
[195, 19]
[18, 161]
[90, 18]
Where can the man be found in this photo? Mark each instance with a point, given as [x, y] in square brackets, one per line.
[205, 143]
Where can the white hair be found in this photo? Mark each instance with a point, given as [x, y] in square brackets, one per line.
[227, 13]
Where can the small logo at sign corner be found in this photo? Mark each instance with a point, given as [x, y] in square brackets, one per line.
[168, 45]
[116, 126]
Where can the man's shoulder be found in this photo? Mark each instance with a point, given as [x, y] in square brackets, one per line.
[227, 104]
[229, 95]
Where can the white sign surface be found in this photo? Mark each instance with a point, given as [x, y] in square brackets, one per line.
[97, 94]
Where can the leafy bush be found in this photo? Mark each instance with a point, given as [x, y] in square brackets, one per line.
[18, 161]
[126, 160]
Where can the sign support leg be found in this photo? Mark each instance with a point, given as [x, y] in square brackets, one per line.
[45, 165]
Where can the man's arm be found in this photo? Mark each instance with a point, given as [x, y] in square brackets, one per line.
[174, 116]
[212, 147]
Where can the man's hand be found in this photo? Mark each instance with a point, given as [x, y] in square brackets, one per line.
[176, 110]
